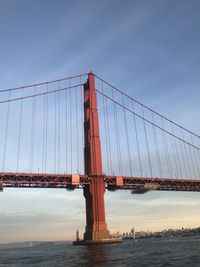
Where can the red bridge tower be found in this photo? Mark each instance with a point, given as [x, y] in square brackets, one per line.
[96, 228]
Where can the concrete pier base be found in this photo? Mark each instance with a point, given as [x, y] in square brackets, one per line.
[97, 242]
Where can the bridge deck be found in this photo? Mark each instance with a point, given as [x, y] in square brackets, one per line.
[68, 181]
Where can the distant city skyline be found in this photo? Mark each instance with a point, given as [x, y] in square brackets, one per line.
[148, 49]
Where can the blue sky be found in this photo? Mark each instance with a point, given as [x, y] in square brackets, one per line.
[149, 49]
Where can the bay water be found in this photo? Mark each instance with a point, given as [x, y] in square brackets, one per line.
[175, 251]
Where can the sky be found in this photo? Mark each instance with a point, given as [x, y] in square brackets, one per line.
[148, 49]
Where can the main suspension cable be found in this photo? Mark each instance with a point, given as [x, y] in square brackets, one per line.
[42, 83]
[138, 102]
[39, 94]
[139, 116]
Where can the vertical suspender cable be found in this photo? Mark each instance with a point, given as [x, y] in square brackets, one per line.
[77, 139]
[105, 128]
[175, 160]
[196, 160]
[66, 131]
[32, 133]
[166, 151]
[198, 156]
[188, 164]
[70, 121]
[6, 132]
[176, 153]
[19, 136]
[117, 135]
[55, 131]
[147, 144]
[166, 158]
[58, 127]
[33, 129]
[192, 161]
[137, 141]
[43, 133]
[156, 146]
[183, 158]
[82, 117]
[46, 129]
[108, 129]
[115, 138]
[127, 138]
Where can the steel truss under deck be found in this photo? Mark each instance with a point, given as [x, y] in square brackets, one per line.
[70, 182]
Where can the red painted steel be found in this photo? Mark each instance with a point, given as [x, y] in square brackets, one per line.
[93, 181]
[96, 227]
[66, 181]
[75, 179]
[119, 181]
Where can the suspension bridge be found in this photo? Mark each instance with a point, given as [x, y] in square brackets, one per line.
[83, 132]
